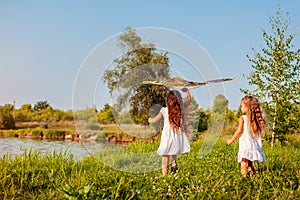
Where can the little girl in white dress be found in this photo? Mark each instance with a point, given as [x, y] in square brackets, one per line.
[173, 139]
[251, 126]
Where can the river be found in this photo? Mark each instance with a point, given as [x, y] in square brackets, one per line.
[18, 146]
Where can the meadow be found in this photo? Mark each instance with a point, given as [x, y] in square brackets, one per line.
[216, 176]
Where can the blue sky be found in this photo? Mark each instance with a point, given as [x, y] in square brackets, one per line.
[44, 43]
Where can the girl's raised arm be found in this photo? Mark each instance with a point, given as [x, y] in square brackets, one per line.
[188, 96]
[238, 132]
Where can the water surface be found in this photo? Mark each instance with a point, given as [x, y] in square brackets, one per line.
[18, 146]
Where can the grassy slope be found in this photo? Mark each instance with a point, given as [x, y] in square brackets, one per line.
[216, 176]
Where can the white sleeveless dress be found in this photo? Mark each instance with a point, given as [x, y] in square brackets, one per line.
[250, 147]
[172, 143]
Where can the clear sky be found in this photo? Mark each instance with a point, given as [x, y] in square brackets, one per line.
[43, 43]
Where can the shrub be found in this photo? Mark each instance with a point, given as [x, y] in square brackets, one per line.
[6, 117]
[55, 133]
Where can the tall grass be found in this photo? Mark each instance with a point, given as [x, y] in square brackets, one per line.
[216, 176]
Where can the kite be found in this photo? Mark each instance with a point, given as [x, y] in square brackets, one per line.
[178, 82]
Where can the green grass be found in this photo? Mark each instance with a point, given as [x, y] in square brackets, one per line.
[216, 176]
[36, 133]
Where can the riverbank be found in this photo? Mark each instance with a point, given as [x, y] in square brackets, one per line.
[82, 131]
[41, 133]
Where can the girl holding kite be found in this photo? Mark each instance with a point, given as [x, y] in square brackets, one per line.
[174, 139]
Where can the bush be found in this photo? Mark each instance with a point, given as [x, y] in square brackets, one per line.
[6, 117]
[55, 133]
[36, 132]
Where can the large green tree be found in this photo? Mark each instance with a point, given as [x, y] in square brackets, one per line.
[139, 62]
[275, 73]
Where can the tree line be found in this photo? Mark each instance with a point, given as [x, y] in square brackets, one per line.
[42, 111]
[39, 112]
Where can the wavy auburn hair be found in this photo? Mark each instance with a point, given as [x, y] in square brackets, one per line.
[255, 115]
[176, 110]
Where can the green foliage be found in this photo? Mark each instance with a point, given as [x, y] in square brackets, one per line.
[218, 114]
[231, 116]
[203, 120]
[276, 77]
[60, 115]
[92, 126]
[220, 104]
[55, 133]
[24, 114]
[26, 107]
[29, 176]
[43, 115]
[231, 122]
[193, 116]
[142, 147]
[140, 62]
[106, 115]
[123, 118]
[37, 132]
[41, 105]
[216, 176]
[42, 112]
[6, 117]
[239, 112]
[89, 114]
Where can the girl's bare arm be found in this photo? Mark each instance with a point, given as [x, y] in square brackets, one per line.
[155, 119]
[238, 132]
[188, 96]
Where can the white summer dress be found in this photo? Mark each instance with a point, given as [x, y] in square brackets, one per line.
[172, 143]
[250, 147]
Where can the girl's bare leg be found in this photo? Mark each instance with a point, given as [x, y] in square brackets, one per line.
[165, 163]
[251, 168]
[174, 157]
[244, 167]
[174, 164]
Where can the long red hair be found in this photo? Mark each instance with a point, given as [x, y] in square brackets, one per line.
[176, 110]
